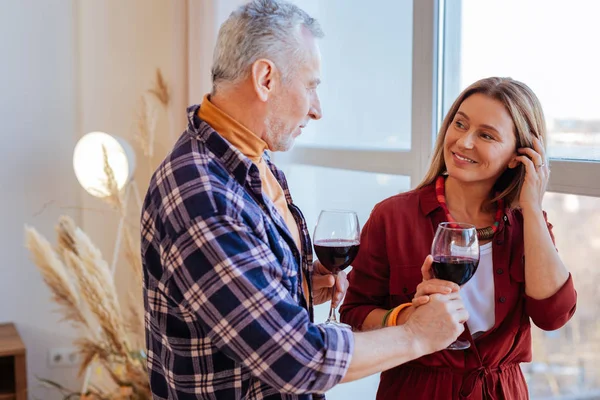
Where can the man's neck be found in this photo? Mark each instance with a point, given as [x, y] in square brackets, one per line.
[242, 109]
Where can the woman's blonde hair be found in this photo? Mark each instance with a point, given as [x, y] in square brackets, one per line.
[528, 119]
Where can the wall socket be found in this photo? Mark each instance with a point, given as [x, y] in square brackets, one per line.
[63, 357]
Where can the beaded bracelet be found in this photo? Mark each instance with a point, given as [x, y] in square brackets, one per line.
[385, 317]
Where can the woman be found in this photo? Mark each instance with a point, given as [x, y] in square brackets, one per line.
[489, 169]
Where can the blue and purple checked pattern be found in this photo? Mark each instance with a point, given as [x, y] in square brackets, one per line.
[226, 317]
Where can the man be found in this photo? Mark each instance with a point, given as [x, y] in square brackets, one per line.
[229, 281]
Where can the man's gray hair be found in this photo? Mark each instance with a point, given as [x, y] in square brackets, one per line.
[260, 29]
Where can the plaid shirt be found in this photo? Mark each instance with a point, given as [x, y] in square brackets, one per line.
[226, 317]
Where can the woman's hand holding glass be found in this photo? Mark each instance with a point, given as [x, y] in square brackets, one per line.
[427, 287]
[443, 308]
[431, 285]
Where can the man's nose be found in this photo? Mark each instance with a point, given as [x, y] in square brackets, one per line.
[315, 110]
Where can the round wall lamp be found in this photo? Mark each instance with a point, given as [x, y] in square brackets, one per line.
[88, 162]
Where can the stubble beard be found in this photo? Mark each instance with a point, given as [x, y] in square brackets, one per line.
[277, 137]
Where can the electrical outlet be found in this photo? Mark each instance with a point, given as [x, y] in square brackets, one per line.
[63, 357]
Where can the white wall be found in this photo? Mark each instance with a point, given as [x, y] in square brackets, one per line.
[38, 132]
[120, 46]
[205, 18]
[69, 68]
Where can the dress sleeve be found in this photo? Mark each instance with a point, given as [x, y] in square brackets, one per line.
[555, 311]
[370, 275]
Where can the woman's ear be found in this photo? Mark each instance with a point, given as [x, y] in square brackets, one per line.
[514, 163]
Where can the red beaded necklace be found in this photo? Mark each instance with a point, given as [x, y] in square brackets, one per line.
[482, 233]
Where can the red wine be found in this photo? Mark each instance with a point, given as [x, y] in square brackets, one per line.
[455, 269]
[336, 254]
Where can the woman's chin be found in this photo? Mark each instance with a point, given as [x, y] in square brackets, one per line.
[463, 176]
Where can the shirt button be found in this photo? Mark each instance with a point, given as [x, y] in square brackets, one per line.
[499, 271]
[502, 299]
[505, 218]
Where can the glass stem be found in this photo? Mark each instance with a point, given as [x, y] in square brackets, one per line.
[332, 318]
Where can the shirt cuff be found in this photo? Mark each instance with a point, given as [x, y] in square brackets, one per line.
[553, 312]
[356, 315]
[339, 347]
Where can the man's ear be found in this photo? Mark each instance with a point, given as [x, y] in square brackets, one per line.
[263, 78]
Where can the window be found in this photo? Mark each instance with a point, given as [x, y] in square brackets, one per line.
[340, 189]
[360, 92]
[565, 362]
[548, 47]
[375, 120]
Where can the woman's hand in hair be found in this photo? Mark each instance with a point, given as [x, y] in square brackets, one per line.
[537, 173]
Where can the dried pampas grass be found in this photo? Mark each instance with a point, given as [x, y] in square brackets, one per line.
[145, 129]
[82, 285]
[114, 197]
[160, 89]
[54, 273]
[162, 93]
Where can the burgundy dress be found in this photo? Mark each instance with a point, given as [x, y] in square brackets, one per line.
[386, 272]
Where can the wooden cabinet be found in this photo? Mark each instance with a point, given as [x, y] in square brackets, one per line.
[13, 370]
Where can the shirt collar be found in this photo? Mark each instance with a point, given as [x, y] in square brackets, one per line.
[233, 131]
[429, 203]
[237, 163]
[428, 200]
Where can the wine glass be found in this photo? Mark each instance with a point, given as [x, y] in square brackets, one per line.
[455, 251]
[336, 242]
